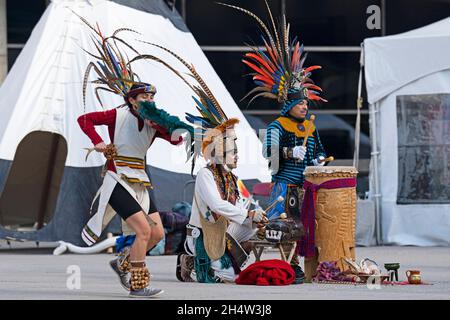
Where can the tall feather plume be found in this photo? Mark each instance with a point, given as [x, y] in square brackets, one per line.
[154, 58]
[195, 75]
[113, 70]
[97, 95]
[85, 22]
[274, 27]
[115, 75]
[287, 49]
[90, 66]
[124, 29]
[281, 69]
[210, 115]
[251, 14]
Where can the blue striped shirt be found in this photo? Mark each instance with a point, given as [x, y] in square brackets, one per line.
[289, 170]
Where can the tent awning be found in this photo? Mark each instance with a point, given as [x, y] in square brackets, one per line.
[393, 61]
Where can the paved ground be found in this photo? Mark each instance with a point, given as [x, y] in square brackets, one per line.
[37, 274]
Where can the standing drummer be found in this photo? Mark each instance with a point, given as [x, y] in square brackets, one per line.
[288, 158]
[278, 73]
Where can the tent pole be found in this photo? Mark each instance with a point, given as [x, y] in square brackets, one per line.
[375, 174]
[359, 102]
[383, 18]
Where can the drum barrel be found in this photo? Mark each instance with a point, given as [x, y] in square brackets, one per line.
[335, 218]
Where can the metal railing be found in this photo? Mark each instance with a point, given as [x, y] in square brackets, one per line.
[321, 111]
[307, 48]
[15, 45]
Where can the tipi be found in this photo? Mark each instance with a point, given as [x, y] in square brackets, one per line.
[44, 177]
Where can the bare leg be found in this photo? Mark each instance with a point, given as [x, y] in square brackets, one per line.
[140, 226]
[157, 230]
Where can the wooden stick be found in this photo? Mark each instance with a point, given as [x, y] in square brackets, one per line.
[279, 199]
[281, 216]
[310, 123]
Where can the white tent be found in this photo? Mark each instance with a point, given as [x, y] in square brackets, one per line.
[43, 93]
[408, 83]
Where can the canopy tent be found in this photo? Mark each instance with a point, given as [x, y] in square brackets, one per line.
[408, 86]
[41, 99]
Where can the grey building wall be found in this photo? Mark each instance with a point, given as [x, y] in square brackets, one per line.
[3, 42]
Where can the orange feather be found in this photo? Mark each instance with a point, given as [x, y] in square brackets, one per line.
[271, 54]
[312, 86]
[264, 79]
[260, 71]
[312, 68]
[260, 60]
[312, 96]
[295, 55]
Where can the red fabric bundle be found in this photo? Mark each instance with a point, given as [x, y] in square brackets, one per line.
[267, 273]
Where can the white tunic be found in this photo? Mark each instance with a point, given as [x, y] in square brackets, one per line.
[131, 143]
[132, 146]
[206, 195]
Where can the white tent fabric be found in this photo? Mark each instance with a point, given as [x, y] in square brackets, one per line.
[43, 93]
[394, 61]
[412, 63]
[43, 90]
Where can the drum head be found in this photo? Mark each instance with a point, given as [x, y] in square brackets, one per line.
[330, 170]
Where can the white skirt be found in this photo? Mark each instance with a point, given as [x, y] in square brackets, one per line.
[98, 222]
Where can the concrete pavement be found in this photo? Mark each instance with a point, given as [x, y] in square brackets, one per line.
[37, 274]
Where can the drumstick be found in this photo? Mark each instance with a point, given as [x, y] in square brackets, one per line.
[281, 216]
[310, 123]
[273, 204]
[330, 158]
[279, 199]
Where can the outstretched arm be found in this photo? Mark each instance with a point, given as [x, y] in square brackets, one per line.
[163, 133]
[162, 118]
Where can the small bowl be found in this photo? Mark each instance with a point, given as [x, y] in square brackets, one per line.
[392, 266]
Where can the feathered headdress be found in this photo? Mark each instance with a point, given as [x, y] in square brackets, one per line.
[279, 73]
[112, 67]
[212, 121]
[115, 75]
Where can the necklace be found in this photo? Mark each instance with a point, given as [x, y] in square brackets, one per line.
[226, 184]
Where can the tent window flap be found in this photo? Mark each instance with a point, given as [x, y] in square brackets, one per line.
[423, 148]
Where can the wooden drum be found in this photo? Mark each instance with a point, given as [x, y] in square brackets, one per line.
[335, 217]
